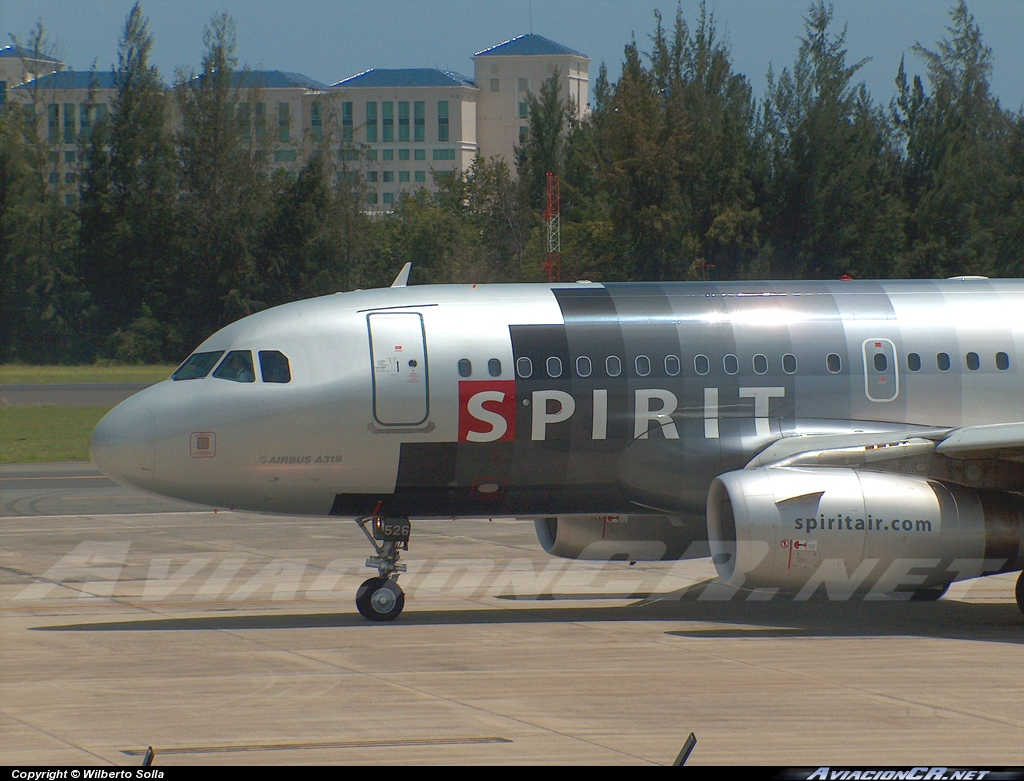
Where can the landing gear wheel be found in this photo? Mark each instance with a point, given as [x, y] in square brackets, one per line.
[380, 599]
[1019, 592]
[932, 594]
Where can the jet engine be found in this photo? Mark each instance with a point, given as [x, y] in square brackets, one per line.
[858, 532]
[622, 537]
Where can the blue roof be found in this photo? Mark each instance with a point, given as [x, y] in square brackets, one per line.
[406, 77]
[22, 53]
[246, 79]
[73, 80]
[527, 45]
[275, 79]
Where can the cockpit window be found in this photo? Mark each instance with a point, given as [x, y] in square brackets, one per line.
[237, 367]
[274, 366]
[197, 366]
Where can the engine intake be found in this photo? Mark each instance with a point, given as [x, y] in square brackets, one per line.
[857, 532]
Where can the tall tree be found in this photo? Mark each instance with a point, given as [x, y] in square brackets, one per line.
[672, 140]
[710, 112]
[314, 241]
[640, 170]
[831, 189]
[128, 199]
[961, 181]
[41, 298]
[222, 192]
[542, 151]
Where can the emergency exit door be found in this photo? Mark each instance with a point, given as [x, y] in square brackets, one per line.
[881, 372]
[399, 356]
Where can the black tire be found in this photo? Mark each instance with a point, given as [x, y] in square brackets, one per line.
[1019, 592]
[380, 599]
[933, 594]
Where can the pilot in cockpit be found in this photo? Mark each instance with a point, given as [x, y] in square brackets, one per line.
[236, 367]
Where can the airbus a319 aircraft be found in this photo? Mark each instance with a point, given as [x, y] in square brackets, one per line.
[861, 438]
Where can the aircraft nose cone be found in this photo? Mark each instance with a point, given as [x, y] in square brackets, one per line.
[123, 444]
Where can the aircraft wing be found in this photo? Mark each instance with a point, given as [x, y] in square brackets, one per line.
[999, 441]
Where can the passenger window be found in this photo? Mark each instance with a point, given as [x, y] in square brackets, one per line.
[760, 364]
[1002, 361]
[881, 362]
[672, 365]
[465, 367]
[973, 362]
[237, 367]
[197, 366]
[834, 363]
[643, 365]
[914, 362]
[731, 364]
[583, 366]
[554, 366]
[942, 361]
[274, 366]
[701, 364]
[494, 367]
[613, 366]
[524, 368]
[789, 363]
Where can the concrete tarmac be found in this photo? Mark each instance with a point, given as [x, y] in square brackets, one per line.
[233, 638]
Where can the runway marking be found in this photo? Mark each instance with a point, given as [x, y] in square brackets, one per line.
[394, 681]
[53, 736]
[79, 497]
[113, 516]
[122, 603]
[56, 477]
[333, 744]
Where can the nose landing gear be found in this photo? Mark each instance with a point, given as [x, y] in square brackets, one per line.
[381, 598]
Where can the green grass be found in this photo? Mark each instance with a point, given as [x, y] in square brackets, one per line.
[22, 374]
[33, 434]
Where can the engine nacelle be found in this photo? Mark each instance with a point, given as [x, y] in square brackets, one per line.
[622, 537]
[857, 532]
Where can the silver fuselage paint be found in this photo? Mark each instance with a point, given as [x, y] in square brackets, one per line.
[708, 376]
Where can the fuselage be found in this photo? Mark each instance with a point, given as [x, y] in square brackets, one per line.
[539, 400]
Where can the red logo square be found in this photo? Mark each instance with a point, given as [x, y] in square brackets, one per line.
[487, 410]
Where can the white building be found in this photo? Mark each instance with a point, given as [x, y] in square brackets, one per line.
[18, 65]
[67, 105]
[282, 112]
[407, 126]
[507, 73]
[401, 129]
[398, 130]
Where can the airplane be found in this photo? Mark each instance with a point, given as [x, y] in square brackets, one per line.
[861, 438]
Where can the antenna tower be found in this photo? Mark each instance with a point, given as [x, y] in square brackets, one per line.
[553, 263]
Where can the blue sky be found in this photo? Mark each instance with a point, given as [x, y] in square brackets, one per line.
[332, 39]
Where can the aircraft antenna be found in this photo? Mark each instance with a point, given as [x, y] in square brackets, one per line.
[553, 263]
[402, 280]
